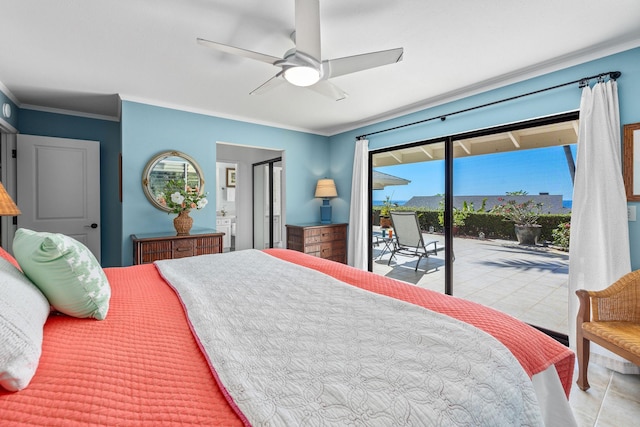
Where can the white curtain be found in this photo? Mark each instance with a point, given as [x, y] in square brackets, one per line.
[358, 247]
[599, 243]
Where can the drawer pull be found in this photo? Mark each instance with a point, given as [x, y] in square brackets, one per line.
[182, 249]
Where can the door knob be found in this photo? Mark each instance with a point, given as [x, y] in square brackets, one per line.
[94, 225]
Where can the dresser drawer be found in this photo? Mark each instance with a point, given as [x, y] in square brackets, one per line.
[336, 251]
[324, 234]
[333, 234]
[333, 249]
[184, 248]
[208, 245]
[153, 251]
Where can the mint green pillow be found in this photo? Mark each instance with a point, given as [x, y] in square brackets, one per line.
[65, 271]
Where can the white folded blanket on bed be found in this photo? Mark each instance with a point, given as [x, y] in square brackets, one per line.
[293, 346]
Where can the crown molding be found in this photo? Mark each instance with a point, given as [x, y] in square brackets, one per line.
[204, 112]
[69, 112]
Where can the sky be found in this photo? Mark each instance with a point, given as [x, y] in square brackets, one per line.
[542, 170]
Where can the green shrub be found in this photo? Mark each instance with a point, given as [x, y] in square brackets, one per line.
[492, 225]
[561, 235]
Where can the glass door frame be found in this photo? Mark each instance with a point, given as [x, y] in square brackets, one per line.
[270, 164]
[448, 179]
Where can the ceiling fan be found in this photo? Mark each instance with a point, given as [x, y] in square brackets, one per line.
[302, 65]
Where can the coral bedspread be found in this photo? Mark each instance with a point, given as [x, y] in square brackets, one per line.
[142, 366]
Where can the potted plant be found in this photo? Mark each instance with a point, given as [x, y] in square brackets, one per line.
[180, 199]
[523, 214]
[385, 212]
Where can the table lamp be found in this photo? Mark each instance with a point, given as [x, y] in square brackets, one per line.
[7, 206]
[325, 189]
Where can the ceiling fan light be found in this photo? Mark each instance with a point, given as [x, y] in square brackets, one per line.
[302, 75]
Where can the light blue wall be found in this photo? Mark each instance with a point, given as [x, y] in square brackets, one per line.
[32, 122]
[547, 103]
[148, 130]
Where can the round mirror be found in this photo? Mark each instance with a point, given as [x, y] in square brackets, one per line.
[170, 166]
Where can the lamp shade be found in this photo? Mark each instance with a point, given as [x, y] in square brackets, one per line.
[7, 206]
[326, 188]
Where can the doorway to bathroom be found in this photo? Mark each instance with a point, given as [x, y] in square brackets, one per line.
[226, 174]
[240, 211]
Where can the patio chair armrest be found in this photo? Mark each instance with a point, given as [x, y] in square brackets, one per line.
[435, 247]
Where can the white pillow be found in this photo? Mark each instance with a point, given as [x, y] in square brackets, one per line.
[23, 312]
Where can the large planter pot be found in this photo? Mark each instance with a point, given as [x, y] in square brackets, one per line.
[385, 222]
[528, 234]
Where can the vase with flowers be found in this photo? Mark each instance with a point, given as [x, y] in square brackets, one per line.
[524, 213]
[181, 199]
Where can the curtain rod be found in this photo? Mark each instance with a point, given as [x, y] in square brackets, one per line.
[614, 75]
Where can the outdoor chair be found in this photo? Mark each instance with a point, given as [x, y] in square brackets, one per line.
[408, 237]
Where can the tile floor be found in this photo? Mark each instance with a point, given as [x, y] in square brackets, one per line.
[612, 401]
[531, 284]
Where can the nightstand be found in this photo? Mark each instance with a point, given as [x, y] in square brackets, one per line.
[328, 241]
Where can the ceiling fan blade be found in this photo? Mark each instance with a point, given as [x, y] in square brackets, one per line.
[352, 64]
[240, 52]
[268, 85]
[326, 88]
[307, 34]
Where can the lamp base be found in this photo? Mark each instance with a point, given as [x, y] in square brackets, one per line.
[325, 212]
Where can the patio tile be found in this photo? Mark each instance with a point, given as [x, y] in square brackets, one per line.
[486, 297]
[537, 293]
[522, 302]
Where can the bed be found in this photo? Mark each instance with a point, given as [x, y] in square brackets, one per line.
[153, 360]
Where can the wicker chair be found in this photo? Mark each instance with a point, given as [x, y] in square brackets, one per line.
[610, 318]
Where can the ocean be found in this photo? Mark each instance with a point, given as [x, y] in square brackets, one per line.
[398, 202]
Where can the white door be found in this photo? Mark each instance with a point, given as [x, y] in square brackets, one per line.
[58, 183]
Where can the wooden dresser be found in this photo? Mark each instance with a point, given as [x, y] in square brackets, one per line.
[327, 241]
[152, 247]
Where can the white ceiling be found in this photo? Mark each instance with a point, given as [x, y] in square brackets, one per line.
[78, 55]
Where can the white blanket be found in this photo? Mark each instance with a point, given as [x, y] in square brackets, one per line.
[293, 347]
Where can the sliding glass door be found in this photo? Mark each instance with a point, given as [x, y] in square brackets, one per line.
[512, 203]
[410, 178]
[470, 191]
